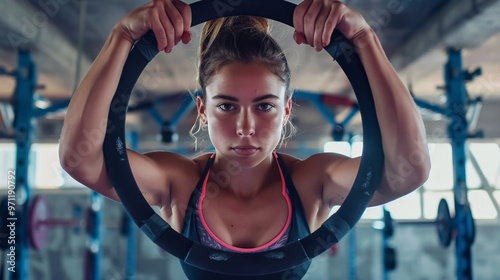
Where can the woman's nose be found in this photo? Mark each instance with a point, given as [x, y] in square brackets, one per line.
[246, 125]
[246, 132]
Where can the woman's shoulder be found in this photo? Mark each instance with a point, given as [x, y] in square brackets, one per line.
[201, 161]
[177, 165]
[183, 173]
[312, 165]
[296, 166]
[290, 161]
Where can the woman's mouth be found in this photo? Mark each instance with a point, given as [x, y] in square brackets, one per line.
[245, 150]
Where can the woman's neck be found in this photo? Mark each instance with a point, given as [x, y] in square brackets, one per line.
[243, 182]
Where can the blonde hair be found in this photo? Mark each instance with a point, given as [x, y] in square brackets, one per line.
[240, 39]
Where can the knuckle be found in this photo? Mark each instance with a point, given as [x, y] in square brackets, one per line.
[317, 41]
[300, 7]
[301, 10]
[156, 3]
[177, 21]
[159, 34]
[170, 34]
[317, 38]
[329, 23]
[184, 8]
[309, 18]
[341, 7]
[151, 13]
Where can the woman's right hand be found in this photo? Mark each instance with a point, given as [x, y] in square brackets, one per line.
[170, 21]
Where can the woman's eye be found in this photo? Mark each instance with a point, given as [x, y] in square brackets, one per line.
[225, 107]
[265, 107]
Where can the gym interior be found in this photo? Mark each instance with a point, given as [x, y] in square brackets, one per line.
[445, 51]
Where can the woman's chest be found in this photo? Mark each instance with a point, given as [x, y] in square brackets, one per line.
[246, 223]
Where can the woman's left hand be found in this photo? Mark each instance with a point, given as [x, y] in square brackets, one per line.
[315, 20]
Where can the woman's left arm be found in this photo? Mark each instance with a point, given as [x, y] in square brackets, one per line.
[407, 161]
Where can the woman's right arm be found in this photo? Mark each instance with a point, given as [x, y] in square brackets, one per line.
[84, 128]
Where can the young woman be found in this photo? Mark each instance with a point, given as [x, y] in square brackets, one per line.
[244, 197]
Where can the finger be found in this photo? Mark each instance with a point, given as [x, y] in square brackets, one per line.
[176, 19]
[166, 24]
[331, 24]
[295, 37]
[319, 28]
[310, 21]
[157, 27]
[186, 14]
[169, 32]
[185, 11]
[298, 18]
[186, 37]
[300, 38]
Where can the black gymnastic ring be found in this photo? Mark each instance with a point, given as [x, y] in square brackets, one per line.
[244, 264]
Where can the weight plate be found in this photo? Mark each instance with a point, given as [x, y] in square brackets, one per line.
[444, 223]
[38, 212]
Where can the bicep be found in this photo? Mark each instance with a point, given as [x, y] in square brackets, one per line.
[340, 173]
[146, 169]
[151, 175]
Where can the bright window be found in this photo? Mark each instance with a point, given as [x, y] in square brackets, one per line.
[441, 174]
[344, 148]
[496, 194]
[423, 204]
[48, 172]
[488, 158]
[339, 147]
[8, 156]
[431, 202]
[473, 180]
[373, 213]
[357, 149]
[481, 205]
[406, 207]
[44, 169]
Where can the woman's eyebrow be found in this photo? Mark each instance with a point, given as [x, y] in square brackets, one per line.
[267, 96]
[257, 99]
[227, 97]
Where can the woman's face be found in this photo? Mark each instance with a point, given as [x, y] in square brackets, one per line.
[245, 109]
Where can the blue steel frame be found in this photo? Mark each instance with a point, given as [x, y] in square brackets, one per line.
[184, 108]
[457, 131]
[456, 111]
[316, 100]
[25, 112]
[385, 244]
[26, 78]
[94, 252]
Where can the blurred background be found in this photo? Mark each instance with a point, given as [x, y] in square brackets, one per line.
[63, 37]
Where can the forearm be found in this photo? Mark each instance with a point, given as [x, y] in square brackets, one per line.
[403, 132]
[86, 119]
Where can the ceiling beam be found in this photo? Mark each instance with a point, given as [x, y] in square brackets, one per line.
[31, 27]
[458, 24]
